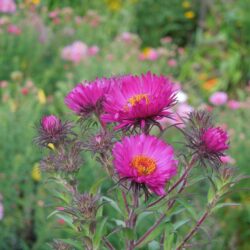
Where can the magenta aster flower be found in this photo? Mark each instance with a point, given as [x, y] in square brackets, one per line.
[215, 140]
[88, 98]
[52, 130]
[145, 160]
[51, 124]
[139, 101]
[205, 140]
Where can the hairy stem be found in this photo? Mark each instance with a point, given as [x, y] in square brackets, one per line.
[194, 230]
[108, 244]
[132, 215]
[150, 230]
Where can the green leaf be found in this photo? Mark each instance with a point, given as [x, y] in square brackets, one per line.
[99, 233]
[94, 189]
[128, 233]
[112, 203]
[189, 208]
[67, 219]
[142, 216]
[229, 204]
[154, 245]
[153, 235]
[73, 243]
[168, 242]
[168, 237]
[53, 213]
[179, 224]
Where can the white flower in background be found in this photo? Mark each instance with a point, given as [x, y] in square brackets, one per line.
[181, 97]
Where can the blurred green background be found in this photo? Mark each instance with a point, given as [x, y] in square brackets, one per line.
[48, 46]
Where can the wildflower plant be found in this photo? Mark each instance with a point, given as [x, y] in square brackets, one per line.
[146, 197]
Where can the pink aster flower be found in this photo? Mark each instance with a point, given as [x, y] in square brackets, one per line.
[51, 124]
[76, 52]
[233, 104]
[207, 143]
[139, 101]
[215, 140]
[13, 29]
[218, 98]
[52, 130]
[172, 63]
[7, 6]
[87, 98]
[145, 160]
[149, 54]
[93, 50]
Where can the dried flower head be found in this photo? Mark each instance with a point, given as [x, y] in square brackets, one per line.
[86, 204]
[52, 131]
[146, 161]
[207, 142]
[139, 101]
[64, 160]
[100, 143]
[60, 245]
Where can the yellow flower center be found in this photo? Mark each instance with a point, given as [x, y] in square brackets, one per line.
[143, 164]
[132, 101]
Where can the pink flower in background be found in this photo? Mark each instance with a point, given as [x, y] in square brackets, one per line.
[218, 98]
[53, 14]
[88, 98]
[126, 37]
[184, 109]
[172, 63]
[167, 39]
[145, 159]
[25, 91]
[215, 140]
[1, 208]
[76, 52]
[139, 100]
[3, 84]
[93, 50]
[7, 6]
[13, 29]
[233, 104]
[227, 159]
[4, 21]
[149, 54]
[181, 51]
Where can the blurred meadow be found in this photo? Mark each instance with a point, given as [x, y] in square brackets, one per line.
[48, 46]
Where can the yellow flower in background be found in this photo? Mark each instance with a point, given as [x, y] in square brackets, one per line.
[210, 84]
[202, 76]
[41, 96]
[186, 4]
[35, 2]
[189, 14]
[114, 5]
[36, 172]
[51, 146]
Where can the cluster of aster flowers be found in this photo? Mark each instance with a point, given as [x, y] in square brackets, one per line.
[130, 110]
[134, 104]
